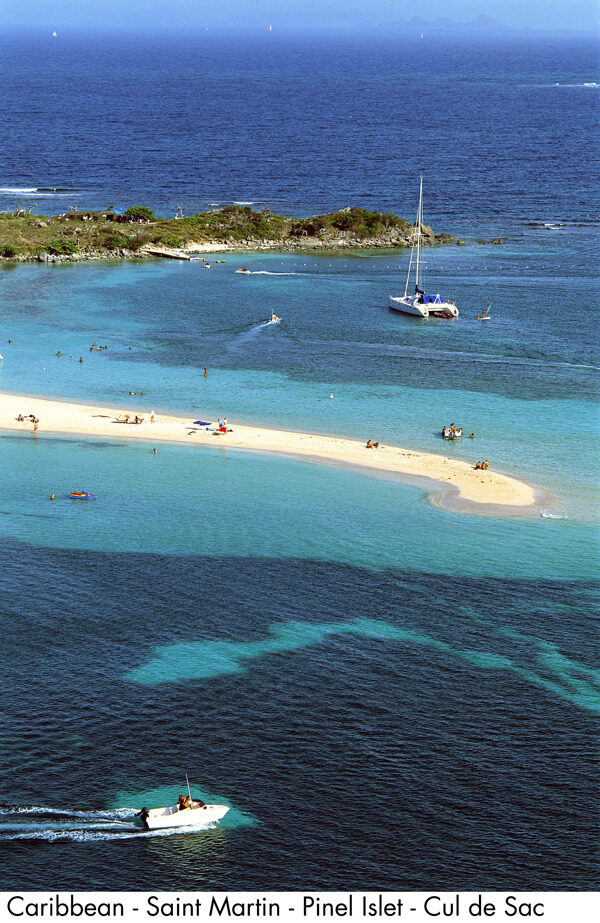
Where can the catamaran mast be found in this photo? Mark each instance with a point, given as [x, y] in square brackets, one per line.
[419, 220]
[415, 245]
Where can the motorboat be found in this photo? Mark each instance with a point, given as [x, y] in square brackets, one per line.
[82, 495]
[274, 319]
[420, 304]
[196, 814]
[245, 271]
[448, 432]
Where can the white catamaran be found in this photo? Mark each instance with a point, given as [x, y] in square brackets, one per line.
[420, 304]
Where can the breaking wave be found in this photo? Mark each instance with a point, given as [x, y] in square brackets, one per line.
[42, 191]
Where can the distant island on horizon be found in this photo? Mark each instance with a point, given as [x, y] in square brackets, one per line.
[480, 27]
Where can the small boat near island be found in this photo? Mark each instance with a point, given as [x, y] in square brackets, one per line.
[189, 812]
[196, 814]
[420, 304]
[451, 432]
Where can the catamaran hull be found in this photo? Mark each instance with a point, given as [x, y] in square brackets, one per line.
[408, 305]
[162, 818]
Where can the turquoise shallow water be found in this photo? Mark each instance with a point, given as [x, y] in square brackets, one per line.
[191, 502]
[525, 383]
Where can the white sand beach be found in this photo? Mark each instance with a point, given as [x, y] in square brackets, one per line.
[452, 483]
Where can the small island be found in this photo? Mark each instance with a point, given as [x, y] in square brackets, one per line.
[137, 233]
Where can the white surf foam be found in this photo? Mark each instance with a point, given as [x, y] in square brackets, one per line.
[546, 514]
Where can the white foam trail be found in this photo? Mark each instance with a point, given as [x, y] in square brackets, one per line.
[235, 202]
[79, 826]
[115, 814]
[546, 514]
[93, 836]
[265, 272]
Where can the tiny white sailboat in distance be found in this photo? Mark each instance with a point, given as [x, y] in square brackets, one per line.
[420, 304]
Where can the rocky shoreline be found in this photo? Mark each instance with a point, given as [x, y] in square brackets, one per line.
[249, 245]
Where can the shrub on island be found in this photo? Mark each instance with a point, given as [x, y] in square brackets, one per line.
[61, 247]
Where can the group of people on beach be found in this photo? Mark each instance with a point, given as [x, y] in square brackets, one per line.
[29, 418]
[481, 465]
[372, 445]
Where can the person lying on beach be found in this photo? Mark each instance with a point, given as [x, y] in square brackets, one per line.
[369, 444]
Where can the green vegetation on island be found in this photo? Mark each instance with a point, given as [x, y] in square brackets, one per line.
[88, 234]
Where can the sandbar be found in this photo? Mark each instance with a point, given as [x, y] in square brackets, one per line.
[451, 483]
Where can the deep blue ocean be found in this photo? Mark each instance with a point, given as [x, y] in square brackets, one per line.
[388, 695]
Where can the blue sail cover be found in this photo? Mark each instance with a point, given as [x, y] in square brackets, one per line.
[433, 299]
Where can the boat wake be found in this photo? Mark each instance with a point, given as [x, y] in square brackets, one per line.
[246, 335]
[418, 352]
[546, 514]
[33, 822]
[267, 272]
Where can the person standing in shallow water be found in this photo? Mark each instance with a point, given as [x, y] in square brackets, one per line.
[206, 373]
